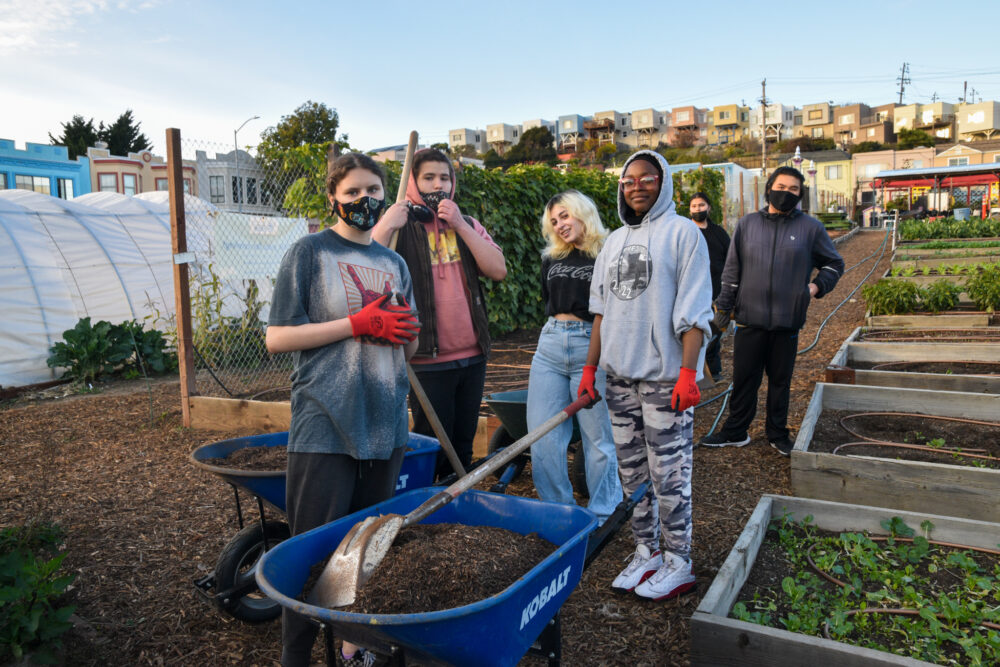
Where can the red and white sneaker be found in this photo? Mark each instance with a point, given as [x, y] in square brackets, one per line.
[672, 579]
[642, 566]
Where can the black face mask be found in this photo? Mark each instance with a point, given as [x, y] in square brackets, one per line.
[362, 213]
[420, 213]
[699, 216]
[432, 199]
[783, 200]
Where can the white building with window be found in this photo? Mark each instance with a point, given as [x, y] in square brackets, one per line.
[134, 173]
[462, 137]
[233, 182]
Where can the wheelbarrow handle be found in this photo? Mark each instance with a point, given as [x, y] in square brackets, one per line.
[439, 500]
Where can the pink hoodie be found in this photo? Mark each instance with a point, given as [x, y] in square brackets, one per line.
[456, 335]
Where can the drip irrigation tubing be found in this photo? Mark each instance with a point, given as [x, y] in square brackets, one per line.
[880, 251]
[903, 365]
[961, 420]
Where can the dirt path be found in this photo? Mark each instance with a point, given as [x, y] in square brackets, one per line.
[142, 522]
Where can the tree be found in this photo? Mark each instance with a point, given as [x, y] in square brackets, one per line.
[443, 147]
[123, 136]
[535, 146]
[492, 159]
[685, 138]
[913, 138]
[805, 144]
[77, 135]
[866, 147]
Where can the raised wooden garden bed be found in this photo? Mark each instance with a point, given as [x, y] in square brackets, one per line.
[953, 489]
[934, 261]
[963, 365]
[718, 639]
[948, 320]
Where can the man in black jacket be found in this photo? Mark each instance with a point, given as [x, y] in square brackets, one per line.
[766, 288]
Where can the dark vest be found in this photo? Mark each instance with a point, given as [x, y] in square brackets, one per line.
[413, 247]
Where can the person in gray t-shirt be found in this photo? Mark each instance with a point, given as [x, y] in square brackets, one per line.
[341, 305]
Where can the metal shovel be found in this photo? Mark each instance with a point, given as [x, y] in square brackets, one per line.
[366, 544]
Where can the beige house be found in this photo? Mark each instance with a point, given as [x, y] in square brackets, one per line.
[609, 127]
[728, 124]
[978, 121]
[649, 127]
[135, 173]
[866, 165]
[817, 121]
[976, 152]
[937, 119]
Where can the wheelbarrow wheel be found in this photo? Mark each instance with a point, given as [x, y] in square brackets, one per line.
[235, 569]
[500, 438]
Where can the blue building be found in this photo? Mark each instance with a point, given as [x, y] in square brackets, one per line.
[43, 168]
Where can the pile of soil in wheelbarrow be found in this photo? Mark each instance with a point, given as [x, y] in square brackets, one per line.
[431, 567]
[954, 441]
[944, 367]
[254, 458]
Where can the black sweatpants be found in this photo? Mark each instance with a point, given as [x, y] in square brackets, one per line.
[756, 351]
[455, 395]
[321, 488]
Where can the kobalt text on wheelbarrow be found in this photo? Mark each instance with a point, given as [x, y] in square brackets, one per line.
[231, 586]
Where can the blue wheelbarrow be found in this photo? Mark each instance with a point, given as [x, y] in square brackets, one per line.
[231, 586]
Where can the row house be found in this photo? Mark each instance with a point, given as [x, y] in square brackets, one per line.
[43, 168]
[571, 132]
[962, 154]
[978, 121]
[727, 124]
[867, 165]
[462, 137]
[234, 182]
[649, 127]
[857, 123]
[134, 173]
[777, 124]
[688, 126]
[501, 136]
[541, 122]
[609, 127]
[817, 121]
[937, 119]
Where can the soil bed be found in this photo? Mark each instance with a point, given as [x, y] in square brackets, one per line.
[764, 590]
[254, 458]
[907, 429]
[930, 335]
[943, 367]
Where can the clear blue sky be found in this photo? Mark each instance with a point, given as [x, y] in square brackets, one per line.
[389, 67]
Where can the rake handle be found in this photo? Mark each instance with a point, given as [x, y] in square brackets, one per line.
[442, 498]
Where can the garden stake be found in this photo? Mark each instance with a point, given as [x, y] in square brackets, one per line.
[366, 544]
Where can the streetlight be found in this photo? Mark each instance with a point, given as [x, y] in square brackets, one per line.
[236, 152]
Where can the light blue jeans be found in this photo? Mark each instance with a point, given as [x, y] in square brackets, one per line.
[552, 385]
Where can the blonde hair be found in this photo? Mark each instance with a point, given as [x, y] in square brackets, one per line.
[581, 207]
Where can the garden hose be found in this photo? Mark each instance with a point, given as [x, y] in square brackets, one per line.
[881, 253]
[972, 453]
[893, 365]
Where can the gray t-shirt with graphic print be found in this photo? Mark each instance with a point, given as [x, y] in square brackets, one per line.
[348, 397]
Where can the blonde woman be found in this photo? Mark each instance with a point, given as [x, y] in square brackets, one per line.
[574, 235]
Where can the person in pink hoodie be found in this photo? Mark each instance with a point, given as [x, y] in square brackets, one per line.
[447, 253]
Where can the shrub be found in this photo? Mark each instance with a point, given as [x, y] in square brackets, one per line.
[891, 297]
[940, 295]
[984, 288]
[89, 351]
[31, 618]
[947, 228]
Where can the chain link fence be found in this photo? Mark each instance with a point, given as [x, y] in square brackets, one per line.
[242, 212]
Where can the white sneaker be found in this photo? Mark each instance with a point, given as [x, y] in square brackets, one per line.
[641, 567]
[672, 579]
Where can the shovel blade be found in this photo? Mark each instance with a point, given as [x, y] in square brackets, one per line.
[356, 557]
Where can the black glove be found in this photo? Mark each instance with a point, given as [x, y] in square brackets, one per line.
[721, 320]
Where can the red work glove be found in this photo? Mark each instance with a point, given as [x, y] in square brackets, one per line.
[686, 393]
[384, 322]
[414, 329]
[587, 383]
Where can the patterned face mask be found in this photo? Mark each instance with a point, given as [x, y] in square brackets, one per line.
[432, 199]
[361, 213]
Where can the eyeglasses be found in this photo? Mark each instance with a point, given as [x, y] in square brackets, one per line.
[643, 183]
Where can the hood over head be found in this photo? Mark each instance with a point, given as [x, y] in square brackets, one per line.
[664, 203]
[413, 192]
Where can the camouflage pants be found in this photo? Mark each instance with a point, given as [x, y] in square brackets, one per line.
[654, 443]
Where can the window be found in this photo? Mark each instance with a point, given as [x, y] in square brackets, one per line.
[623, 122]
[788, 115]
[236, 190]
[65, 186]
[187, 186]
[815, 114]
[846, 119]
[625, 134]
[107, 182]
[251, 190]
[3, 181]
[977, 117]
[927, 117]
[817, 132]
[34, 183]
[682, 117]
[725, 115]
[872, 169]
[798, 120]
[996, 158]
[216, 190]
[833, 172]
[515, 133]
[162, 184]
[916, 164]
[477, 138]
[902, 121]
[567, 124]
[854, 134]
[957, 161]
[129, 184]
[871, 131]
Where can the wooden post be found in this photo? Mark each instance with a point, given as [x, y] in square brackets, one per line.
[756, 196]
[742, 207]
[182, 295]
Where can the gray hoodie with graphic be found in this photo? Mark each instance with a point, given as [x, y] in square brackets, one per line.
[651, 284]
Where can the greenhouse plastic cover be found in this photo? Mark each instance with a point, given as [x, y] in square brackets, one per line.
[109, 257]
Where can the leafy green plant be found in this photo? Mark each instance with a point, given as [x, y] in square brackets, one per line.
[32, 618]
[221, 340]
[948, 228]
[88, 351]
[891, 297]
[984, 288]
[940, 295]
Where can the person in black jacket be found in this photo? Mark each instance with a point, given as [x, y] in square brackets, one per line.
[766, 288]
[718, 247]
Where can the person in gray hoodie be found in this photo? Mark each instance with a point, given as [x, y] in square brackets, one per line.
[651, 296]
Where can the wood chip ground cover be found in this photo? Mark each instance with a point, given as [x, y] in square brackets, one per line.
[142, 522]
[254, 458]
[784, 590]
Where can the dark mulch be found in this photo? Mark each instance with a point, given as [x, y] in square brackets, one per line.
[440, 566]
[943, 367]
[142, 522]
[254, 458]
[914, 429]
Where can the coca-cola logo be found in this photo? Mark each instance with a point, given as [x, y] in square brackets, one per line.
[570, 271]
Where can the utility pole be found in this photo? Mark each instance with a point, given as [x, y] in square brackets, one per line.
[934, 97]
[763, 128]
[902, 80]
